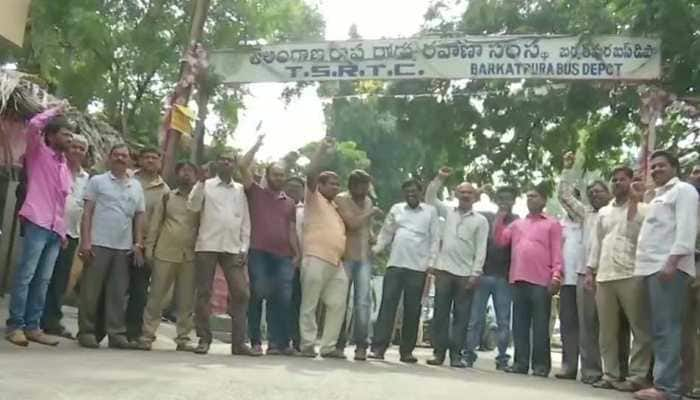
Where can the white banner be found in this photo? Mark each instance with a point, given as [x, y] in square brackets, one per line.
[474, 57]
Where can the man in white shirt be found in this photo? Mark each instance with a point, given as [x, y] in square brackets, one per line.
[572, 257]
[665, 258]
[457, 270]
[611, 266]
[412, 228]
[223, 239]
[51, 318]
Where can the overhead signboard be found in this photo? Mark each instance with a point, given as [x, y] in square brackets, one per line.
[13, 19]
[473, 57]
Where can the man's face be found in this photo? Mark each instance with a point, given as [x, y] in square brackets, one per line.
[621, 184]
[598, 196]
[225, 165]
[535, 202]
[150, 163]
[661, 170]
[295, 190]
[466, 195]
[76, 153]
[331, 188]
[276, 176]
[694, 177]
[62, 140]
[505, 201]
[359, 190]
[187, 176]
[411, 195]
[119, 158]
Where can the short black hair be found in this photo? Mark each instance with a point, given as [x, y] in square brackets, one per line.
[541, 188]
[56, 124]
[358, 177]
[597, 183]
[182, 164]
[269, 167]
[508, 189]
[149, 150]
[411, 182]
[624, 169]
[117, 147]
[296, 179]
[672, 159]
[326, 176]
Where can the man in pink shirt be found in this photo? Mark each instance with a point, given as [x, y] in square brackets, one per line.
[42, 215]
[535, 275]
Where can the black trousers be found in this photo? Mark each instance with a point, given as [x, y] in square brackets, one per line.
[568, 316]
[51, 318]
[532, 306]
[139, 281]
[398, 281]
[451, 297]
[296, 305]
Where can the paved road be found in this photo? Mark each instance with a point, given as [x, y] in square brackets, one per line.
[70, 372]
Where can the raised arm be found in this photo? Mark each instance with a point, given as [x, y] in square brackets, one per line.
[565, 190]
[326, 148]
[246, 161]
[431, 192]
[36, 127]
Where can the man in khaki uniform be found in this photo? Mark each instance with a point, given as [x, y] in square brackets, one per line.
[154, 187]
[170, 250]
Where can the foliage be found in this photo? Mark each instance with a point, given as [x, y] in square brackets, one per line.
[123, 56]
[516, 131]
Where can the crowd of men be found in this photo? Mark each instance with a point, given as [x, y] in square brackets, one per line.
[623, 263]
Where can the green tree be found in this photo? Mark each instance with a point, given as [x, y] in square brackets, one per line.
[123, 56]
[516, 131]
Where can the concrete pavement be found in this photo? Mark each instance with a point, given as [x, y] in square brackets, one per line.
[71, 372]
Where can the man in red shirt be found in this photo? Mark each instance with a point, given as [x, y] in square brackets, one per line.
[535, 275]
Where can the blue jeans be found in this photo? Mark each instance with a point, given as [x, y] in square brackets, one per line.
[31, 278]
[360, 274]
[667, 301]
[271, 279]
[498, 288]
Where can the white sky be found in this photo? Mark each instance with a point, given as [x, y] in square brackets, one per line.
[302, 121]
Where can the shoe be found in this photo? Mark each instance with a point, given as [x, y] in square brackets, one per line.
[272, 351]
[88, 341]
[693, 394]
[17, 338]
[202, 348]
[603, 384]
[513, 369]
[567, 376]
[650, 394]
[258, 348]
[376, 355]
[457, 363]
[628, 386]
[335, 354]
[437, 359]
[540, 374]
[120, 342]
[408, 359]
[360, 354]
[60, 332]
[141, 344]
[245, 350]
[500, 366]
[289, 352]
[589, 380]
[38, 336]
[186, 347]
[308, 352]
